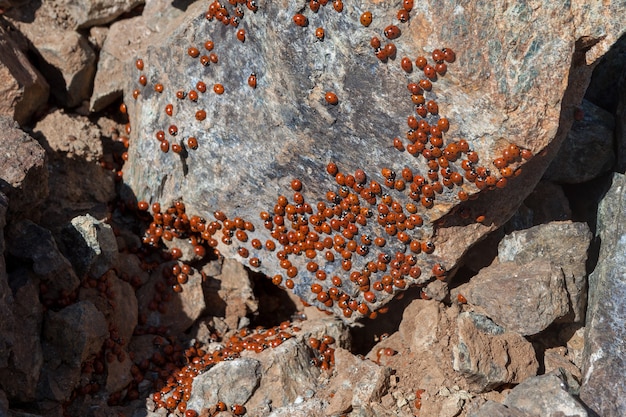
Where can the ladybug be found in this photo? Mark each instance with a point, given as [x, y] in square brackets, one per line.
[319, 33]
[209, 45]
[192, 142]
[252, 80]
[331, 98]
[406, 64]
[139, 64]
[193, 52]
[392, 32]
[218, 89]
[200, 115]
[448, 55]
[241, 35]
[300, 20]
[366, 18]
[403, 16]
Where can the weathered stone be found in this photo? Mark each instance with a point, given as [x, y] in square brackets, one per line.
[23, 88]
[74, 333]
[77, 183]
[604, 362]
[565, 245]
[294, 133]
[545, 395]
[124, 314]
[182, 309]
[96, 12]
[70, 135]
[24, 175]
[547, 203]
[489, 356]
[64, 56]
[555, 360]
[7, 324]
[4, 405]
[419, 325]
[587, 152]
[126, 41]
[238, 380]
[91, 246]
[494, 409]
[313, 408]
[234, 291]
[28, 241]
[356, 384]
[118, 374]
[20, 378]
[521, 298]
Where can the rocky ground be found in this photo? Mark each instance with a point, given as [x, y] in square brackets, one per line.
[139, 282]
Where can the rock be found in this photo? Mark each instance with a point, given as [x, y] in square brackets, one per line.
[4, 405]
[70, 336]
[74, 333]
[118, 374]
[24, 172]
[494, 409]
[235, 293]
[77, 184]
[587, 152]
[314, 407]
[547, 203]
[239, 379]
[565, 244]
[126, 41]
[64, 56]
[604, 363]
[178, 311]
[237, 164]
[70, 136]
[124, 313]
[556, 360]
[419, 325]
[7, 325]
[20, 378]
[91, 244]
[24, 89]
[489, 356]
[30, 242]
[96, 12]
[356, 384]
[545, 395]
[522, 298]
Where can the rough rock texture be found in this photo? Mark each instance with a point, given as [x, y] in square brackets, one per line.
[70, 336]
[95, 12]
[24, 174]
[565, 245]
[23, 88]
[92, 247]
[547, 203]
[490, 356]
[284, 129]
[177, 311]
[77, 185]
[21, 376]
[523, 298]
[357, 383]
[125, 41]
[238, 381]
[7, 325]
[545, 395]
[604, 360]
[588, 150]
[494, 409]
[64, 56]
[30, 242]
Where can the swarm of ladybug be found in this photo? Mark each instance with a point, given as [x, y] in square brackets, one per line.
[329, 230]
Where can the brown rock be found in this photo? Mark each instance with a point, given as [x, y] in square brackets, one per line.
[521, 298]
[182, 309]
[64, 56]
[419, 325]
[24, 90]
[565, 245]
[235, 290]
[362, 382]
[24, 172]
[125, 42]
[494, 409]
[489, 356]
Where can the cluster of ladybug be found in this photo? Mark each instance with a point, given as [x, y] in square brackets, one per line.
[332, 230]
[174, 391]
